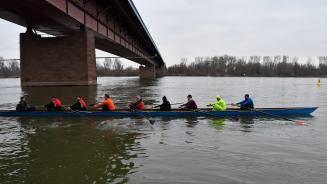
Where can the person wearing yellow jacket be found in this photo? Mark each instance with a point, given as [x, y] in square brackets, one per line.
[219, 105]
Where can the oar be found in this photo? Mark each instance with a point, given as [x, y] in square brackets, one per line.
[298, 122]
[43, 106]
[173, 104]
[170, 104]
[141, 115]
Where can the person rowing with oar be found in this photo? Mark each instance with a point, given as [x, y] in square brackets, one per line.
[54, 105]
[80, 104]
[165, 106]
[219, 105]
[246, 104]
[138, 105]
[138, 108]
[22, 106]
[190, 105]
[107, 104]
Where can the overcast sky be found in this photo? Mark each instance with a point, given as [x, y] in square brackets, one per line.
[190, 28]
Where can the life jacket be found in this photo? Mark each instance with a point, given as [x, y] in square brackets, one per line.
[82, 102]
[57, 102]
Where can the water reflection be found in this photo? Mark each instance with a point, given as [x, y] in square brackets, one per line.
[97, 152]
[191, 122]
[218, 123]
[123, 125]
[246, 124]
[41, 95]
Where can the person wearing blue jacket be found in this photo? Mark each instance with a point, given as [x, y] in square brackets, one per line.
[246, 104]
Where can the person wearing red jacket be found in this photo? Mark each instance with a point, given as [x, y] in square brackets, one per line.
[138, 105]
[54, 105]
[80, 104]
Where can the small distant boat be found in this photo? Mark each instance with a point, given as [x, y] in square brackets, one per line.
[298, 111]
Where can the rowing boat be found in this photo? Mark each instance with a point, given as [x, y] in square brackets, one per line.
[298, 111]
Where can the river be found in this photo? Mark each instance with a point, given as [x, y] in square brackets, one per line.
[235, 150]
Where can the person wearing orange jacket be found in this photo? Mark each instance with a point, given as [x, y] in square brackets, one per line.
[80, 104]
[55, 104]
[107, 105]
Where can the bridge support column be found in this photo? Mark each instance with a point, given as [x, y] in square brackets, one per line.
[58, 61]
[147, 72]
[161, 71]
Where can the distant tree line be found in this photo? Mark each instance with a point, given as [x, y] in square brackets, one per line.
[109, 67]
[254, 66]
[115, 67]
[9, 69]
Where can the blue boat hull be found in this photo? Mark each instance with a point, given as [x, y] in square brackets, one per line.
[175, 113]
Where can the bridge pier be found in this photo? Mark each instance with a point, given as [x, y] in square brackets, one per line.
[147, 72]
[161, 71]
[58, 61]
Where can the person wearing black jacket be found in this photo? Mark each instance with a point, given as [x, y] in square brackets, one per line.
[23, 107]
[165, 106]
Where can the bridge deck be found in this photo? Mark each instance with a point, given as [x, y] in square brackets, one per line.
[118, 26]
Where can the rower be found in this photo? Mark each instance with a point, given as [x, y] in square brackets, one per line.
[80, 104]
[219, 105]
[107, 105]
[246, 104]
[165, 106]
[55, 104]
[138, 105]
[23, 107]
[190, 105]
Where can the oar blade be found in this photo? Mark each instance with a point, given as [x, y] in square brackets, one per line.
[299, 122]
[151, 121]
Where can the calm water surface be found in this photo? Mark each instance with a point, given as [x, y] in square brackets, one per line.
[186, 150]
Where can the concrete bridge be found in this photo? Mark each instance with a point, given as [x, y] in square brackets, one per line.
[78, 27]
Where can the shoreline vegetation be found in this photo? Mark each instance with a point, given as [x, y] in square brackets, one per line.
[253, 66]
[9, 69]
[217, 66]
[114, 67]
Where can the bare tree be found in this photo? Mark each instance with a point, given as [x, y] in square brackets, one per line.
[118, 66]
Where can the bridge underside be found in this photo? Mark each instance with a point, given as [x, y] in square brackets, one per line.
[79, 26]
